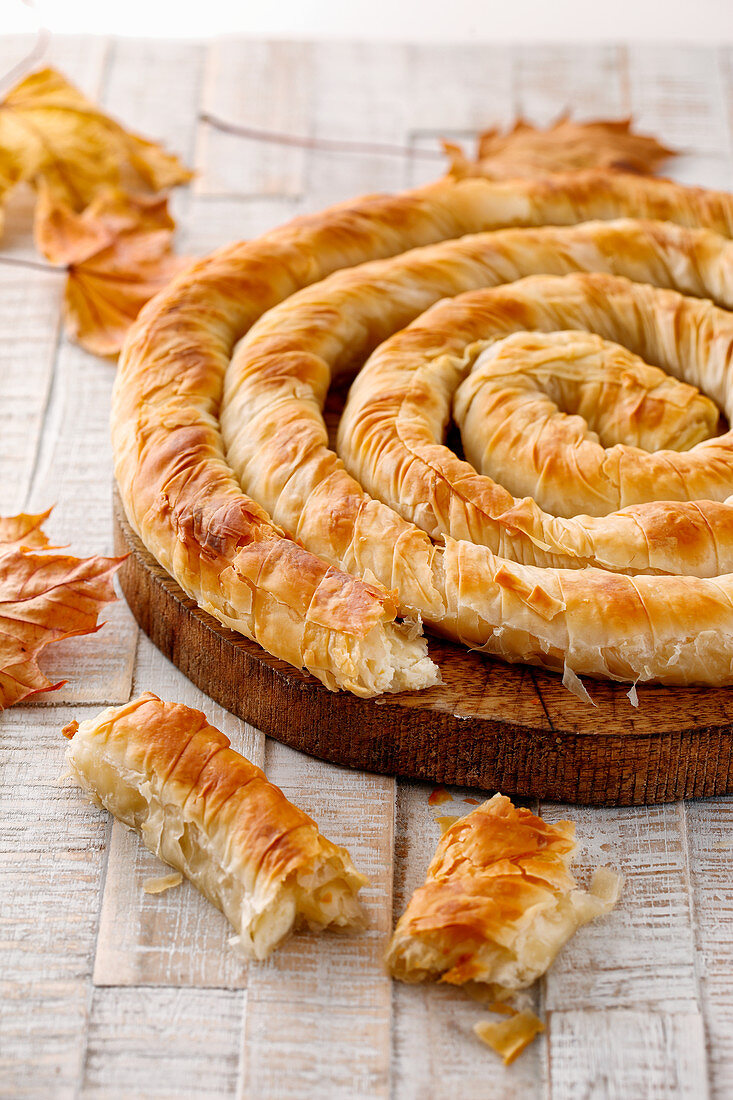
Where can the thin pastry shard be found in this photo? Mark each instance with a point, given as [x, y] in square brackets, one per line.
[498, 903]
[510, 1036]
[159, 885]
[203, 808]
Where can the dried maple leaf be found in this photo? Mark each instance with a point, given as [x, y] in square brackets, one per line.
[566, 146]
[117, 254]
[50, 132]
[23, 530]
[44, 597]
[8, 180]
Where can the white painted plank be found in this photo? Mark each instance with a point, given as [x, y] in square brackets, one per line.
[441, 106]
[29, 320]
[436, 1053]
[711, 861]
[163, 108]
[171, 1044]
[622, 1054]
[265, 85]
[74, 472]
[81, 60]
[677, 94]
[726, 75]
[176, 938]
[643, 953]
[318, 1010]
[154, 88]
[361, 92]
[213, 221]
[552, 80]
[709, 831]
[459, 88]
[52, 851]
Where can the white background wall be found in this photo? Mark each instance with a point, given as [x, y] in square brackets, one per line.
[708, 21]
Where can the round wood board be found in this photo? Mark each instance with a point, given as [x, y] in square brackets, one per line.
[489, 725]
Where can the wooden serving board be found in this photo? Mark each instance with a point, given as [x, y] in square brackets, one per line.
[489, 725]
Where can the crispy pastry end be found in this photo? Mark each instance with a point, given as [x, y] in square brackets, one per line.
[498, 903]
[207, 811]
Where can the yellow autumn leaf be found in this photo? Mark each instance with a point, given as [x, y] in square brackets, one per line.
[117, 253]
[51, 133]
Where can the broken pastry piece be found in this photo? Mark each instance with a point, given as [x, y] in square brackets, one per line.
[207, 811]
[498, 903]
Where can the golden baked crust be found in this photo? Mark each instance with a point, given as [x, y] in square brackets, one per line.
[571, 419]
[498, 903]
[182, 481]
[202, 807]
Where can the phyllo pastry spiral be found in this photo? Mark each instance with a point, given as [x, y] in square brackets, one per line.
[498, 902]
[207, 811]
[226, 471]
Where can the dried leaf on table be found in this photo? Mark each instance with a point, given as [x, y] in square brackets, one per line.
[118, 255]
[23, 530]
[44, 597]
[51, 133]
[8, 180]
[566, 146]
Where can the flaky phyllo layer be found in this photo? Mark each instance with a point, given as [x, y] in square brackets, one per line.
[498, 902]
[224, 465]
[206, 810]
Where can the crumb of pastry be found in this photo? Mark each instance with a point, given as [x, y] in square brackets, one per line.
[509, 1037]
[502, 1008]
[446, 822]
[162, 883]
[437, 796]
[212, 815]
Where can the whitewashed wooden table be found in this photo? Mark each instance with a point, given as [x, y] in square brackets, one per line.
[108, 992]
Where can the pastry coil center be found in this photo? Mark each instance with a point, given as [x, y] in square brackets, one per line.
[569, 418]
[505, 391]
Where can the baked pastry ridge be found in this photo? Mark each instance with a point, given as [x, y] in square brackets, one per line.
[498, 903]
[202, 807]
[185, 500]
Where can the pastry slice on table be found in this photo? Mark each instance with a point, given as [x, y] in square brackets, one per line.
[207, 811]
[498, 903]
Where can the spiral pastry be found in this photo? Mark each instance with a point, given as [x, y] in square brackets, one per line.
[566, 324]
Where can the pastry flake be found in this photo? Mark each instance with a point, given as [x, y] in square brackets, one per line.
[510, 1036]
[498, 903]
[159, 884]
[162, 770]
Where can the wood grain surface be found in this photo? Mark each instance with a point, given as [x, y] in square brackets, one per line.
[108, 993]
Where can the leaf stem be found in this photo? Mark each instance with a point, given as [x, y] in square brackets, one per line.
[328, 145]
[34, 265]
[36, 52]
